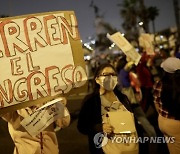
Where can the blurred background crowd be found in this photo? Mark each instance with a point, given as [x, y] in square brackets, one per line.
[136, 81]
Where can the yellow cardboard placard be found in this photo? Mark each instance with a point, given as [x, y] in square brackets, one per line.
[41, 58]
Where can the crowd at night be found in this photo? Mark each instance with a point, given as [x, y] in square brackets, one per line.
[114, 91]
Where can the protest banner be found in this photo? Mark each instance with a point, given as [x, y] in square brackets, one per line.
[41, 57]
[125, 46]
[146, 42]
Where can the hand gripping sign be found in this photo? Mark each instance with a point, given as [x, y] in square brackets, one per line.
[40, 57]
[44, 116]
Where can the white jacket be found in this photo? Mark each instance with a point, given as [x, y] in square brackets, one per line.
[43, 143]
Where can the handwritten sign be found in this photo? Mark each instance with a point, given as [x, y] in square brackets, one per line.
[40, 55]
[43, 117]
[146, 41]
[125, 46]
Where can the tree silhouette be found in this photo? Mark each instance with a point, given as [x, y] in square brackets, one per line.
[153, 12]
[177, 16]
[129, 13]
[134, 11]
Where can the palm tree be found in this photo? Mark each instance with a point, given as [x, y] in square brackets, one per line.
[176, 11]
[133, 11]
[153, 12]
[130, 14]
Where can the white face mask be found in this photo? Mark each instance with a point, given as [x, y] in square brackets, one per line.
[108, 82]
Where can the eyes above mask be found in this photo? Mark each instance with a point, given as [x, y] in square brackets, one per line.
[108, 74]
[108, 82]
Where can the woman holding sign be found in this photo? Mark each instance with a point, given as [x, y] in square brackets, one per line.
[32, 128]
[106, 116]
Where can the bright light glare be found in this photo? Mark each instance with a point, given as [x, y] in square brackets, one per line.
[141, 23]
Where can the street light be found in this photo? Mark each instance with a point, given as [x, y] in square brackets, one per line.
[140, 23]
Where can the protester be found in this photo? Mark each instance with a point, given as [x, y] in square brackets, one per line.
[94, 116]
[124, 80]
[167, 102]
[146, 81]
[43, 143]
[130, 86]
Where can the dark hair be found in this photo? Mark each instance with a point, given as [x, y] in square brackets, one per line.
[98, 72]
[170, 95]
[121, 63]
[101, 67]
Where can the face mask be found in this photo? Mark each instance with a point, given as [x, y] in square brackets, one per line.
[108, 82]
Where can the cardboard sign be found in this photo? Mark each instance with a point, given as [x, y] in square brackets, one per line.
[146, 41]
[40, 57]
[125, 46]
[122, 124]
[43, 117]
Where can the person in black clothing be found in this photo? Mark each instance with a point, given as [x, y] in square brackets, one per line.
[167, 102]
[106, 93]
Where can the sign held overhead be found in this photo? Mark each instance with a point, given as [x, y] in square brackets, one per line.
[125, 46]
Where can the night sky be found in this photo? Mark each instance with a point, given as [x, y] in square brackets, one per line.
[85, 14]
